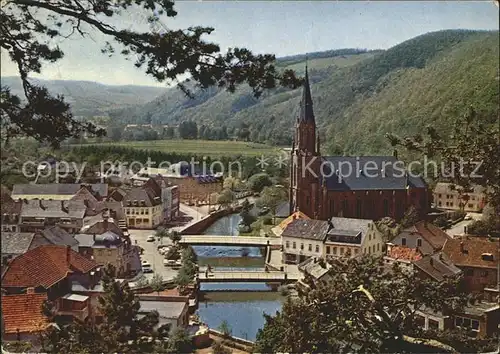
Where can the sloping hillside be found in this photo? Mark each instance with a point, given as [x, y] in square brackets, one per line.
[90, 98]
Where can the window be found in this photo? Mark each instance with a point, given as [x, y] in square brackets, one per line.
[469, 272]
[464, 322]
[302, 246]
[484, 273]
[127, 212]
[109, 252]
[334, 250]
[307, 200]
[358, 208]
[344, 206]
[356, 251]
[294, 245]
[433, 324]
[471, 205]
[439, 195]
[310, 248]
[341, 250]
[146, 211]
[142, 211]
[386, 207]
[327, 249]
[332, 207]
[419, 242]
[369, 237]
[287, 244]
[317, 248]
[403, 241]
[378, 247]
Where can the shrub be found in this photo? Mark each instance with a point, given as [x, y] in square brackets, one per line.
[267, 220]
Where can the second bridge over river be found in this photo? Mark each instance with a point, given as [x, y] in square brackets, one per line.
[202, 240]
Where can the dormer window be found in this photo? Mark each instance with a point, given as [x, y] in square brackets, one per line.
[487, 257]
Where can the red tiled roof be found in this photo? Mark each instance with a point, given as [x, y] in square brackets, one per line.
[45, 266]
[404, 253]
[23, 312]
[474, 248]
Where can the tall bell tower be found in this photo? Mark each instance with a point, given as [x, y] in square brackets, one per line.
[305, 152]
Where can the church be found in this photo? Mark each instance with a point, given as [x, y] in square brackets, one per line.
[367, 187]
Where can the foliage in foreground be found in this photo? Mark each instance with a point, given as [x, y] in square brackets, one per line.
[165, 56]
[362, 308]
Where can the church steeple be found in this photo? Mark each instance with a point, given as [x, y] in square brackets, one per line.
[306, 104]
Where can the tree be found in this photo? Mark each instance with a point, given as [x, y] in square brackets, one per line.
[410, 218]
[225, 198]
[165, 55]
[442, 222]
[246, 216]
[362, 307]
[160, 233]
[175, 237]
[179, 342]
[219, 348]
[257, 182]
[156, 283]
[115, 132]
[272, 197]
[225, 329]
[169, 133]
[473, 143]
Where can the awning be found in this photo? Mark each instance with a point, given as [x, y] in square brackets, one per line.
[75, 297]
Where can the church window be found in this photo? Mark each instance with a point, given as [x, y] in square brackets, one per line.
[344, 206]
[386, 207]
[358, 208]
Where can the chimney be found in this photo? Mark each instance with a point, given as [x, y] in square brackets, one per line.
[30, 290]
[68, 254]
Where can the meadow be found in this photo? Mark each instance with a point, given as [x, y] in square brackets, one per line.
[213, 148]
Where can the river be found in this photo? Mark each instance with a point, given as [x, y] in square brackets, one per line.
[244, 307]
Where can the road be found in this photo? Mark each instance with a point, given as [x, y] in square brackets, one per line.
[458, 229]
[151, 253]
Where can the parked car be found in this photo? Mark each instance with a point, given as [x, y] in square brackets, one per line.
[145, 263]
[150, 238]
[468, 217]
[264, 211]
[169, 262]
[146, 269]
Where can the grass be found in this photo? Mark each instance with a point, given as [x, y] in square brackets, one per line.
[201, 147]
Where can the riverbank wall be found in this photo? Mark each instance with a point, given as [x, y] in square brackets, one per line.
[234, 342]
[200, 226]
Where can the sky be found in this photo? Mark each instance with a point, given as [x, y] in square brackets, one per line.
[278, 27]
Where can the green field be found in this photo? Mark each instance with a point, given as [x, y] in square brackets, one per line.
[201, 147]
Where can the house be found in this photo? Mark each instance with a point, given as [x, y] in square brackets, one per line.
[37, 214]
[366, 187]
[477, 257]
[172, 313]
[427, 237]
[303, 239]
[437, 267]
[17, 243]
[55, 191]
[314, 271]
[402, 255]
[445, 196]
[194, 186]
[22, 316]
[479, 319]
[143, 208]
[348, 236]
[278, 230]
[50, 270]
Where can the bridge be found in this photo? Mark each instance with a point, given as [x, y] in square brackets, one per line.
[245, 276]
[200, 240]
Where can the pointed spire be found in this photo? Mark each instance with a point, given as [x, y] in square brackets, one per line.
[306, 105]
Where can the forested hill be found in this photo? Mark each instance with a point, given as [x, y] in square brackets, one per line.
[358, 96]
[89, 98]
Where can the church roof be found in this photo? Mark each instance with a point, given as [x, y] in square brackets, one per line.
[306, 114]
[343, 173]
